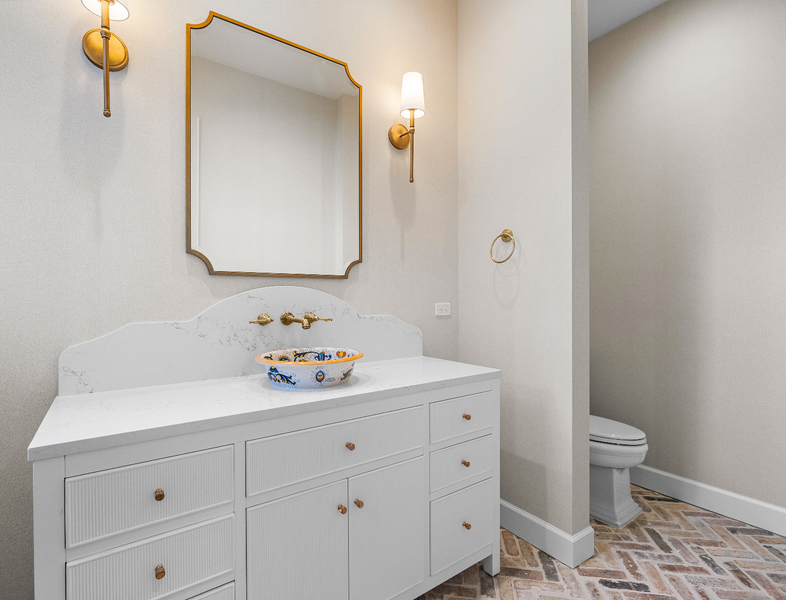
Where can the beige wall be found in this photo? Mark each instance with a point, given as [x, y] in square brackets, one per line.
[92, 210]
[518, 97]
[688, 238]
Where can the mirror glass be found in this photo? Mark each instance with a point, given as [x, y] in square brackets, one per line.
[274, 155]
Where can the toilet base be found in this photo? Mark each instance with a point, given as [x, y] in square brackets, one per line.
[610, 500]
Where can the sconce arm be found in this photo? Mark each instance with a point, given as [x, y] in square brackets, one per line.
[106, 36]
[397, 135]
[105, 50]
[411, 145]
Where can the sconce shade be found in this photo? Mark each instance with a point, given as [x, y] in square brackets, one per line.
[117, 11]
[412, 94]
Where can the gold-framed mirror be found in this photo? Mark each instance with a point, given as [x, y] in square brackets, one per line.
[273, 155]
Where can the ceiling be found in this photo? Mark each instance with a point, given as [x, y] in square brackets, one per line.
[605, 15]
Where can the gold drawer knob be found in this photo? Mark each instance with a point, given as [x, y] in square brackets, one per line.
[467, 526]
[160, 572]
[467, 417]
[342, 509]
[359, 503]
[351, 446]
[465, 463]
[159, 495]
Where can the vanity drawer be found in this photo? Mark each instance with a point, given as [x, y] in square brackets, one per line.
[460, 416]
[450, 539]
[188, 556]
[109, 502]
[283, 460]
[461, 462]
[225, 592]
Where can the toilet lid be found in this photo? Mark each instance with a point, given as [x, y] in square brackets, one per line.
[614, 432]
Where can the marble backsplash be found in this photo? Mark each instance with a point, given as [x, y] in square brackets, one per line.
[220, 342]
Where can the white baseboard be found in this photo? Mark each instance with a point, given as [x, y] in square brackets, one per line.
[571, 550]
[749, 510]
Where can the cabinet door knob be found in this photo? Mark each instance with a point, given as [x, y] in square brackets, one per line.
[465, 463]
[359, 503]
[467, 526]
[467, 417]
[351, 446]
[160, 572]
[159, 495]
[342, 509]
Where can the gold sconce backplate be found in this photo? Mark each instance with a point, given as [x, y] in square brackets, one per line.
[399, 136]
[93, 46]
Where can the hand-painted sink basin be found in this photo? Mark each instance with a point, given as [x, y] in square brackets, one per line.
[309, 368]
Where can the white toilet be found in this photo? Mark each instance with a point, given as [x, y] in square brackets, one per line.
[614, 448]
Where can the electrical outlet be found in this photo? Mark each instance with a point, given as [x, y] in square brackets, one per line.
[442, 309]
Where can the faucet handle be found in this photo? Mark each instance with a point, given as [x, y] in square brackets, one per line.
[312, 318]
[262, 319]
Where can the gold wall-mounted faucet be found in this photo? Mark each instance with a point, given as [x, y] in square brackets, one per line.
[263, 320]
[288, 318]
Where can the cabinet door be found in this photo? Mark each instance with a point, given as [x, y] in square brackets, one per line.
[388, 541]
[297, 547]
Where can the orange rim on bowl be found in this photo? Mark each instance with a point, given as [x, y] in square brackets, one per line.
[279, 356]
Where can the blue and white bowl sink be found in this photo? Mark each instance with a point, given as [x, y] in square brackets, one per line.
[309, 368]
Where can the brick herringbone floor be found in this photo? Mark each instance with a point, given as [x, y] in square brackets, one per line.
[672, 550]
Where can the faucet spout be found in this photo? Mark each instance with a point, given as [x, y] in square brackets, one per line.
[308, 319]
[288, 318]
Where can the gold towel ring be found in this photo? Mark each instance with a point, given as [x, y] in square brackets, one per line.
[507, 236]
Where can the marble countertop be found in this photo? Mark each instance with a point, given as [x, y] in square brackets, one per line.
[86, 422]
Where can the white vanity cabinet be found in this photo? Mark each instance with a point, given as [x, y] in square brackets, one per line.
[362, 537]
[229, 489]
[388, 535]
[348, 498]
[155, 567]
[106, 503]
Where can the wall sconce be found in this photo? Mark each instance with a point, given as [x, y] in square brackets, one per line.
[413, 106]
[102, 47]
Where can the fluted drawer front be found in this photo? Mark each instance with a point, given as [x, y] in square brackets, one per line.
[460, 416]
[461, 523]
[225, 592]
[109, 502]
[461, 462]
[283, 460]
[188, 556]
